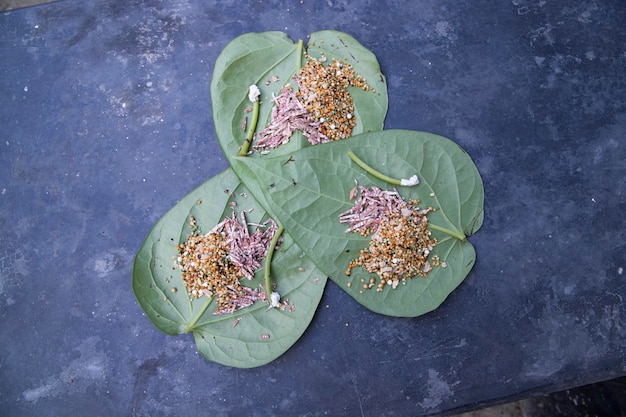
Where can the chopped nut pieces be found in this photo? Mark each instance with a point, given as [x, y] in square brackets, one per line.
[322, 108]
[212, 264]
[401, 242]
[324, 92]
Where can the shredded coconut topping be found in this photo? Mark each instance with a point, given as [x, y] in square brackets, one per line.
[288, 115]
[372, 207]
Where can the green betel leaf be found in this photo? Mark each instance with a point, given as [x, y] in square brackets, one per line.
[308, 194]
[269, 60]
[251, 336]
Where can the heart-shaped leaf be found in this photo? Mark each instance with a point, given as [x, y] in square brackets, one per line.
[251, 336]
[308, 194]
[269, 60]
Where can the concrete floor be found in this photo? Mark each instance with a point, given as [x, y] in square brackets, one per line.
[515, 409]
[601, 400]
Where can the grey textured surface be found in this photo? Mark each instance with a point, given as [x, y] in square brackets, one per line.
[107, 123]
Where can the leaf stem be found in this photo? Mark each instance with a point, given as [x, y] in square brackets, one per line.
[395, 181]
[454, 233]
[191, 325]
[255, 108]
[255, 119]
[300, 53]
[268, 262]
